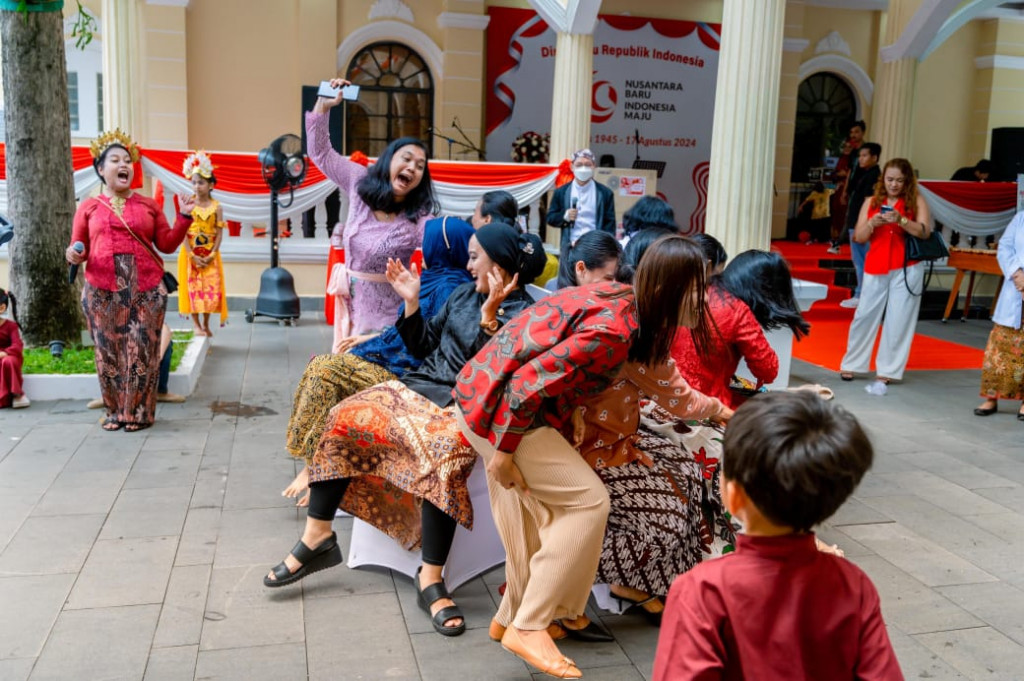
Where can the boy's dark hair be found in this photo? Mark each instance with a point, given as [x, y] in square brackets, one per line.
[860, 124]
[874, 149]
[376, 192]
[983, 166]
[796, 456]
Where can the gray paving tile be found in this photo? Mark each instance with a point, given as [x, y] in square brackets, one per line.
[369, 642]
[999, 605]
[175, 434]
[924, 560]
[637, 639]
[198, 543]
[50, 545]
[157, 512]
[909, 604]
[37, 600]
[855, 512]
[81, 494]
[181, 620]
[470, 656]
[124, 572]
[103, 451]
[1012, 498]
[265, 663]
[164, 468]
[16, 669]
[172, 664]
[257, 537]
[15, 507]
[953, 470]
[917, 661]
[981, 653]
[101, 643]
[241, 612]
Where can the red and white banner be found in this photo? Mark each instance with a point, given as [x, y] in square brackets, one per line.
[974, 208]
[245, 198]
[653, 88]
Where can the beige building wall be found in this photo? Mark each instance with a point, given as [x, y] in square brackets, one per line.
[999, 87]
[944, 104]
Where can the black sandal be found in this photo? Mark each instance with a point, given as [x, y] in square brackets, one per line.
[327, 555]
[136, 427]
[432, 594]
[653, 618]
[110, 424]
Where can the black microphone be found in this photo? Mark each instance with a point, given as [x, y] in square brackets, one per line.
[575, 201]
[77, 247]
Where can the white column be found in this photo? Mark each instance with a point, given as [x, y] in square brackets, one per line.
[121, 72]
[892, 112]
[570, 110]
[739, 212]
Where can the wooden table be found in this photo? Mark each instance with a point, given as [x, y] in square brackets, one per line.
[973, 261]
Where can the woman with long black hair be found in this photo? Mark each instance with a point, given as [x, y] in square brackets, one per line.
[389, 203]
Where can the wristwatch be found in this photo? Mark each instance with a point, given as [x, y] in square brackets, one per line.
[489, 327]
[903, 221]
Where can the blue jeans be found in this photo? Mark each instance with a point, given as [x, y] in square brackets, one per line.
[858, 252]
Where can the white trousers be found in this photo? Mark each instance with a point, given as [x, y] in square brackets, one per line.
[885, 294]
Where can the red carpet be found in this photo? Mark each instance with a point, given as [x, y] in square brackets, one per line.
[830, 324]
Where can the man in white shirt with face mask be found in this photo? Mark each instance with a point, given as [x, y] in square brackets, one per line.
[582, 205]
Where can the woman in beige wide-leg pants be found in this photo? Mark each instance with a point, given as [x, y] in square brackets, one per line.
[555, 531]
[516, 398]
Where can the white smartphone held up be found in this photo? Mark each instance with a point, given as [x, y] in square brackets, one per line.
[349, 92]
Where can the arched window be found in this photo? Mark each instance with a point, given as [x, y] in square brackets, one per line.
[396, 98]
[825, 109]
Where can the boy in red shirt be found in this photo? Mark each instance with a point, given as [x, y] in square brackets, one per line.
[778, 609]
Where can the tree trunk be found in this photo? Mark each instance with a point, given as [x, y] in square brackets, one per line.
[40, 186]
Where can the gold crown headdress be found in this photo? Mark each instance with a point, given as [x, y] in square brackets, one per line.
[111, 138]
[197, 162]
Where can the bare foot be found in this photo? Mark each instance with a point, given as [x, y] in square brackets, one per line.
[299, 485]
[438, 605]
[207, 332]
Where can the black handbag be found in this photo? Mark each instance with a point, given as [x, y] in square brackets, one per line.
[923, 250]
[170, 282]
[932, 248]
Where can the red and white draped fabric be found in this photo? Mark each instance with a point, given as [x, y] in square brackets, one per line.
[974, 208]
[85, 177]
[245, 198]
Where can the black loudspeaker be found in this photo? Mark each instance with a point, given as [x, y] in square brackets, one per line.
[335, 124]
[1008, 153]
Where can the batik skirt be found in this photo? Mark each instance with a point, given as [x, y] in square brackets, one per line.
[666, 518]
[397, 448]
[125, 325]
[1002, 372]
[327, 380]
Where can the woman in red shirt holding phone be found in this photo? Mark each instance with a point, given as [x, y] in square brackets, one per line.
[892, 285]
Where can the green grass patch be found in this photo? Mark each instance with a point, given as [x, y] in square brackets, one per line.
[79, 360]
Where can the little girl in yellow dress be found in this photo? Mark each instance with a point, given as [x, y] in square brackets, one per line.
[200, 270]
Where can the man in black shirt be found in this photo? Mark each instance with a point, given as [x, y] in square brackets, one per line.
[862, 187]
